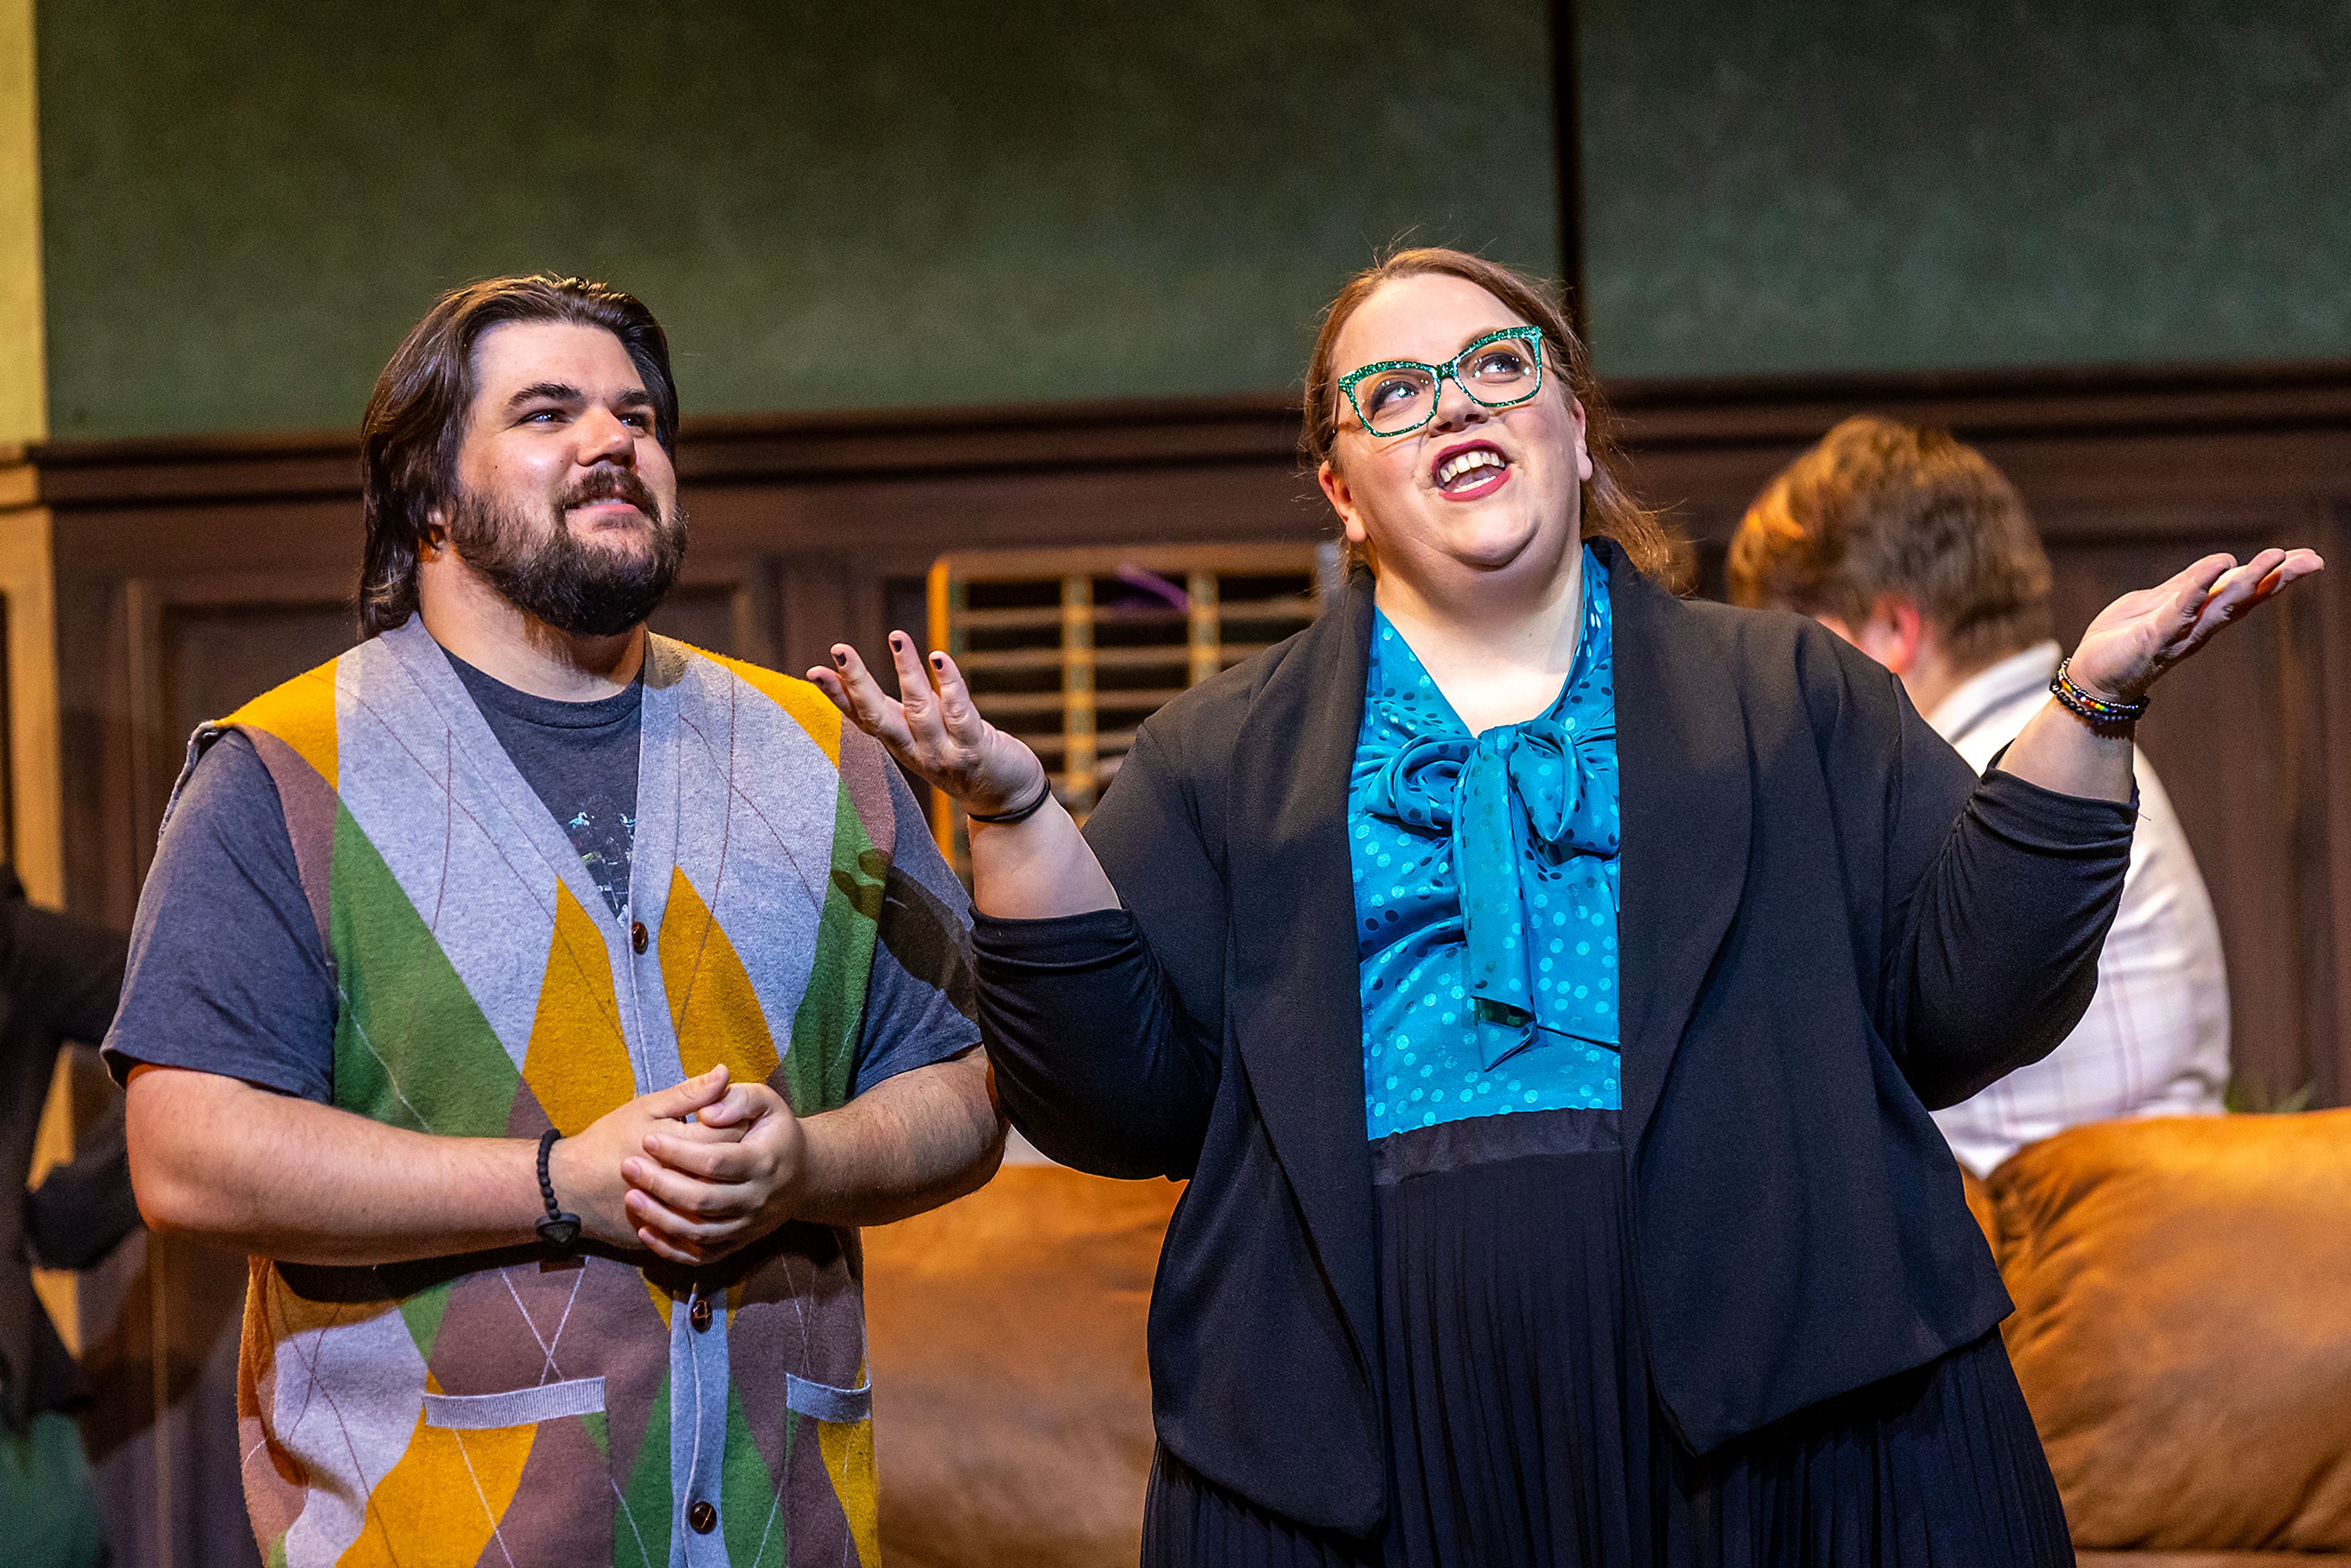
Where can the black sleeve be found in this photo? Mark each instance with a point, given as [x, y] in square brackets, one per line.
[228, 973]
[74, 966]
[1104, 1028]
[82, 1208]
[1997, 897]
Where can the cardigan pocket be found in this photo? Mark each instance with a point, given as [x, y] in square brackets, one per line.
[844, 1436]
[517, 1407]
[823, 1401]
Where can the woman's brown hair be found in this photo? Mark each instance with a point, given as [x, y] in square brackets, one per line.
[1609, 509]
[416, 421]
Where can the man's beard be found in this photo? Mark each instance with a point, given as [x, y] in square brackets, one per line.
[587, 589]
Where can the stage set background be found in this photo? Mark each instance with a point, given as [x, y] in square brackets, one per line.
[940, 278]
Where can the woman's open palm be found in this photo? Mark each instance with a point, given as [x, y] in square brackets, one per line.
[934, 729]
[2140, 636]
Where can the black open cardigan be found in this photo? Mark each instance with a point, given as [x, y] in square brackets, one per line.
[1828, 925]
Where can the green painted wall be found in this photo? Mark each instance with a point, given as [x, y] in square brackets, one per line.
[246, 205]
[924, 201]
[1784, 186]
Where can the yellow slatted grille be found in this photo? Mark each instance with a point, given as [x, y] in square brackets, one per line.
[1072, 648]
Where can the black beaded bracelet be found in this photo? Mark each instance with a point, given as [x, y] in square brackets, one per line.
[559, 1231]
[1005, 818]
[2100, 713]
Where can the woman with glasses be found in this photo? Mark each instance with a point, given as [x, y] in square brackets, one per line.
[1541, 981]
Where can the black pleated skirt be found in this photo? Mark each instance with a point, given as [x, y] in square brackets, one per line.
[1521, 1430]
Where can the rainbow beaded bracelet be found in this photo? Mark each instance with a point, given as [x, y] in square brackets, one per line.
[2098, 712]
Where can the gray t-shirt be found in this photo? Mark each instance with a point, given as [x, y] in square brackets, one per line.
[228, 974]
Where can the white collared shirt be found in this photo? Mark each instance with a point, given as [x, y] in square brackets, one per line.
[2156, 1039]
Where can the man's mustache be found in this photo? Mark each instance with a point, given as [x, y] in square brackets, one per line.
[611, 485]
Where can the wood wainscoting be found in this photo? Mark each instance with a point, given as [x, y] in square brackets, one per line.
[192, 574]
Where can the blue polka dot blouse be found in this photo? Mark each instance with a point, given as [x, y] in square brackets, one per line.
[1486, 893]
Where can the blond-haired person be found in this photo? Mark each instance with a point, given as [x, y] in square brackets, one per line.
[1913, 548]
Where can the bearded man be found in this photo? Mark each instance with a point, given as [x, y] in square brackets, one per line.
[543, 1004]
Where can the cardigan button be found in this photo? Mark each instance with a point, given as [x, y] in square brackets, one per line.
[637, 935]
[700, 1315]
[702, 1516]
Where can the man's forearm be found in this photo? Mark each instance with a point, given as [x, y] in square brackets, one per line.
[304, 1183]
[907, 1144]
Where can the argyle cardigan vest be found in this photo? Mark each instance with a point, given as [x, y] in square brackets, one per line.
[506, 1408]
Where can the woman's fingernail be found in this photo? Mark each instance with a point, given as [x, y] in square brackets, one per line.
[840, 658]
[939, 661]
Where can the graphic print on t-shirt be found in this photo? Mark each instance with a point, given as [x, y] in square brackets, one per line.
[580, 759]
[604, 848]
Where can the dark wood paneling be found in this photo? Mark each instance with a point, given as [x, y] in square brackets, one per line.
[193, 573]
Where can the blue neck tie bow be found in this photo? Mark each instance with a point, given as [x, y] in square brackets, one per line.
[1530, 808]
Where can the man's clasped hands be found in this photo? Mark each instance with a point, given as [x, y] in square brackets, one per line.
[694, 1190]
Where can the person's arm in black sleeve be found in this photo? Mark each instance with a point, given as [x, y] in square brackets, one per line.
[75, 968]
[1998, 947]
[83, 1208]
[1996, 956]
[1103, 1026]
[1991, 897]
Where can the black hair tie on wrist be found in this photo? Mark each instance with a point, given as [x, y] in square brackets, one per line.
[1005, 818]
[2099, 713]
[559, 1231]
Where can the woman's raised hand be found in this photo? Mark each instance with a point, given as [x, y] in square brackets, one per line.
[933, 727]
[2140, 636]
[1038, 868]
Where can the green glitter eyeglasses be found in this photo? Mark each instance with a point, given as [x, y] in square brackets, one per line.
[1396, 397]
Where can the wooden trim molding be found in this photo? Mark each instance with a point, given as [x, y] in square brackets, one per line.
[1657, 418]
[2074, 400]
[199, 470]
[28, 584]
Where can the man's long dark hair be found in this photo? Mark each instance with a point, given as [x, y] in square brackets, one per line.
[416, 418]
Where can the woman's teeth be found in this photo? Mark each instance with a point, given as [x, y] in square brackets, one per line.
[1454, 467]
